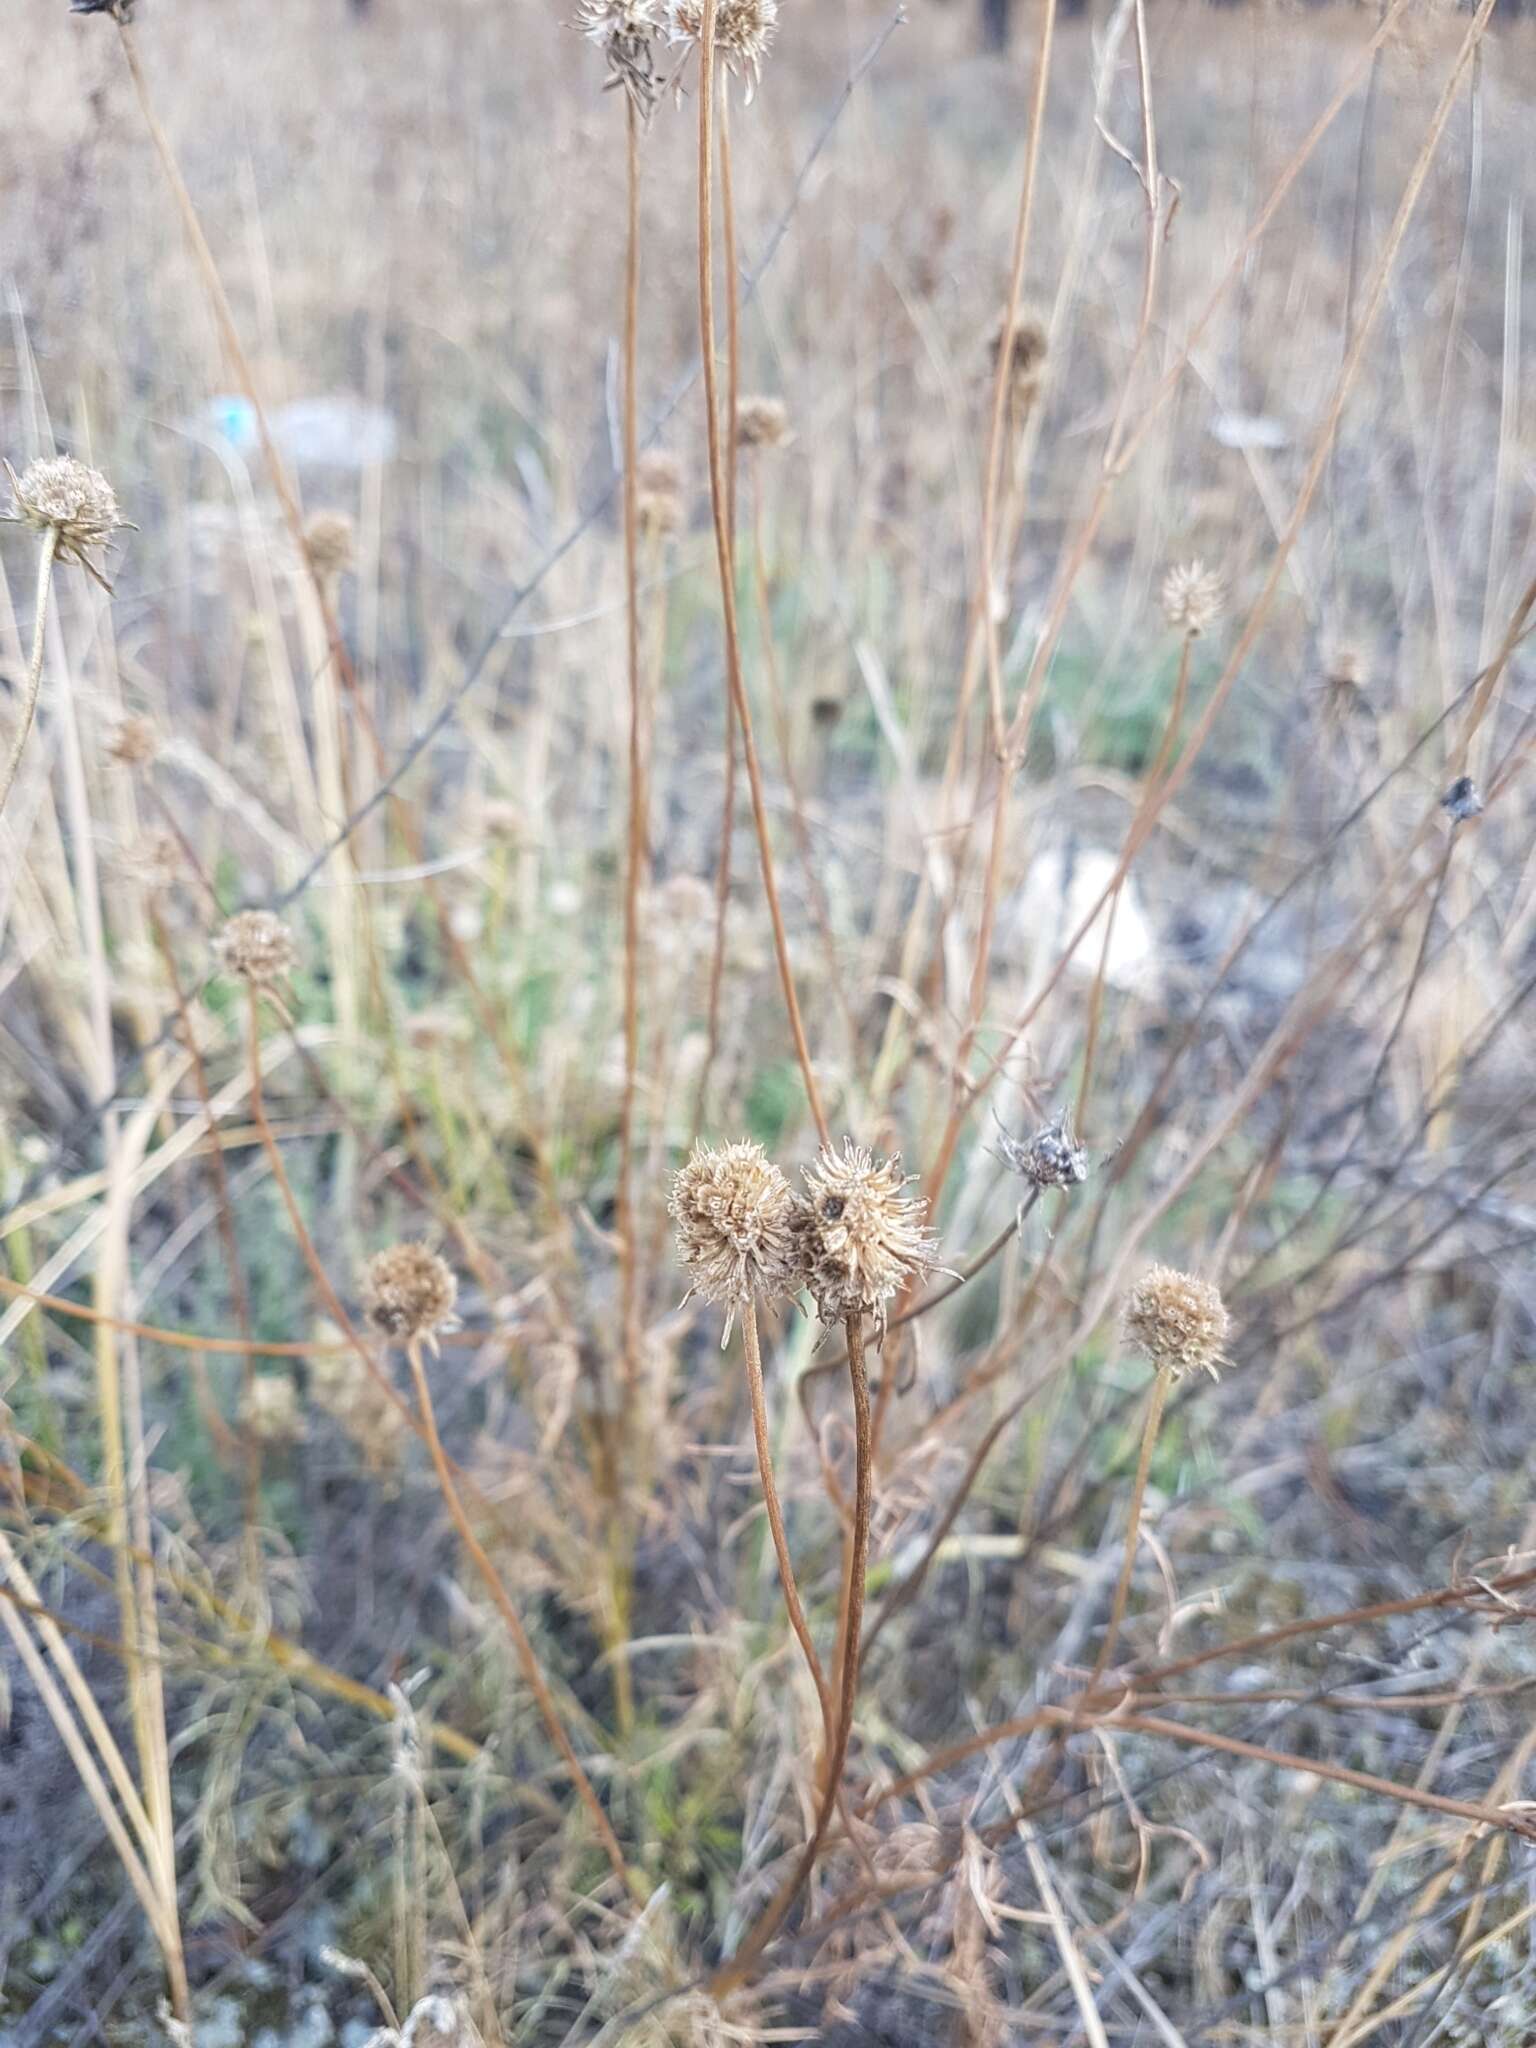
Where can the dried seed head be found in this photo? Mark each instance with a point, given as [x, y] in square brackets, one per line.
[330, 542]
[762, 423]
[134, 742]
[257, 947]
[1026, 344]
[1052, 1158]
[744, 32]
[269, 1410]
[1192, 598]
[734, 1213]
[625, 30]
[409, 1292]
[659, 492]
[862, 1239]
[60, 495]
[1463, 800]
[1178, 1322]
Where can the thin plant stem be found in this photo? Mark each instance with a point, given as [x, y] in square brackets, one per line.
[719, 501]
[733, 1974]
[760, 1436]
[1153, 1423]
[527, 1657]
[46, 557]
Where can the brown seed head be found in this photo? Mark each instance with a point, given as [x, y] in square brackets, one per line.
[744, 32]
[1178, 1322]
[862, 1239]
[734, 1213]
[409, 1292]
[330, 542]
[66, 497]
[762, 423]
[257, 947]
[134, 742]
[1193, 598]
[1052, 1158]
[659, 492]
[1026, 344]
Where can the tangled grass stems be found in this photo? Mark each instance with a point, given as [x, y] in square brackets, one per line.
[47, 554]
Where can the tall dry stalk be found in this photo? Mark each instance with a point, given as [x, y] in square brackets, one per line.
[34, 682]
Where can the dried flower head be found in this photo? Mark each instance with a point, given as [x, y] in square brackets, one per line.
[735, 1216]
[1178, 1322]
[258, 947]
[744, 32]
[625, 30]
[659, 492]
[59, 495]
[862, 1239]
[409, 1292]
[1026, 344]
[1052, 1158]
[134, 742]
[269, 1410]
[1192, 598]
[761, 422]
[330, 542]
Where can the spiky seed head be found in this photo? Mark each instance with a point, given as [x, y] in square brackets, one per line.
[761, 422]
[330, 541]
[625, 30]
[862, 1238]
[269, 1410]
[734, 1213]
[133, 743]
[257, 947]
[1052, 1158]
[409, 1293]
[60, 495]
[744, 32]
[659, 492]
[1192, 598]
[1178, 1322]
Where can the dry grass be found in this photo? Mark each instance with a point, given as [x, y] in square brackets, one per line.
[458, 1696]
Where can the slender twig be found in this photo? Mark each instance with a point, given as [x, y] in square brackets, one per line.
[49, 551]
[1155, 1407]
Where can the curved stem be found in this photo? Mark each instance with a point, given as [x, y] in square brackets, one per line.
[527, 1657]
[730, 1976]
[35, 668]
[1153, 1422]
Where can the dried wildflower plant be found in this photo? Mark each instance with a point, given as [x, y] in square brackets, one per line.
[744, 32]
[862, 1239]
[761, 422]
[330, 541]
[75, 503]
[1192, 598]
[659, 493]
[133, 742]
[409, 1294]
[1052, 1158]
[1026, 344]
[1178, 1322]
[256, 947]
[269, 1410]
[625, 31]
[736, 1235]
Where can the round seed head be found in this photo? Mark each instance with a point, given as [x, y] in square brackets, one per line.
[862, 1238]
[67, 497]
[1178, 1322]
[257, 947]
[1192, 598]
[762, 423]
[269, 1410]
[134, 743]
[659, 492]
[734, 1213]
[744, 32]
[330, 542]
[1026, 345]
[1052, 1158]
[409, 1293]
